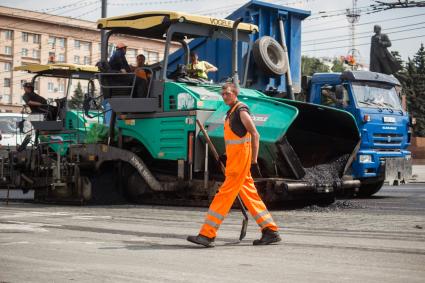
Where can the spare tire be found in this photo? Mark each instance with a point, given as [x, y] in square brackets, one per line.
[269, 56]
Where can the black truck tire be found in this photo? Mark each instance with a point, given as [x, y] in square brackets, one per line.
[369, 189]
[269, 56]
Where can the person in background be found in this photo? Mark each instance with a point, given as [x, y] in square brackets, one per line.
[37, 103]
[199, 69]
[139, 70]
[328, 96]
[118, 62]
[142, 76]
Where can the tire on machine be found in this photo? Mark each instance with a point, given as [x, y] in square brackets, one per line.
[269, 56]
[369, 189]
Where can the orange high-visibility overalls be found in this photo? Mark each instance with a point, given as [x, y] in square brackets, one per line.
[238, 181]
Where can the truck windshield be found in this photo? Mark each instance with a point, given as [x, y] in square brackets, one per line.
[8, 125]
[376, 95]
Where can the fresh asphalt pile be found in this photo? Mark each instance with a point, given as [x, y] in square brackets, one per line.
[336, 206]
[325, 173]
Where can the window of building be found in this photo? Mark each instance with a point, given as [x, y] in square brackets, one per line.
[50, 87]
[24, 52]
[76, 59]
[87, 46]
[8, 34]
[60, 41]
[131, 53]
[8, 50]
[25, 37]
[6, 95]
[87, 60]
[36, 54]
[7, 66]
[111, 49]
[153, 57]
[61, 87]
[77, 44]
[61, 58]
[6, 82]
[52, 41]
[36, 38]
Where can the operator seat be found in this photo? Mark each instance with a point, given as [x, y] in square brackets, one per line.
[114, 83]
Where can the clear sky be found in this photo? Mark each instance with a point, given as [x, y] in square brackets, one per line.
[322, 36]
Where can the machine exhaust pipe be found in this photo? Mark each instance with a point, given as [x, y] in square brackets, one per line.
[235, 75]
[297, 187]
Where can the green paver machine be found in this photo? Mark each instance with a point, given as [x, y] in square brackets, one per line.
[160, 147]
[45, 166]
[155, 151]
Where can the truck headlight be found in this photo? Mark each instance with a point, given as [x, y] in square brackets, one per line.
[365, 158]
[407, 157]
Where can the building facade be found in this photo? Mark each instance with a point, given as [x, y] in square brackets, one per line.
[28, 37]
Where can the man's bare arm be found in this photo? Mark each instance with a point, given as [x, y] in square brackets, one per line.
[34, 103]
[255, 136]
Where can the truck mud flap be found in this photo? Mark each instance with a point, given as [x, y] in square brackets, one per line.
[397, 170]
[100, 153]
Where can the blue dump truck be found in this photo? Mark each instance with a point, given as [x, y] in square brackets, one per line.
[373, 99]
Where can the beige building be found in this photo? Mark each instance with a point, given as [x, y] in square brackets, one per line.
[30, 37]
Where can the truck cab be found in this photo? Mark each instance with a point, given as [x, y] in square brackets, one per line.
[374, 101]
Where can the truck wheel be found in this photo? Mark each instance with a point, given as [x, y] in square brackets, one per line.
[269, 56]
[367, 190]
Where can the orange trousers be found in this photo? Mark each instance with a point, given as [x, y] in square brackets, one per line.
[238, 181]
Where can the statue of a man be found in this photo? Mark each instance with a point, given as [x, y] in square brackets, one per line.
[381, 60]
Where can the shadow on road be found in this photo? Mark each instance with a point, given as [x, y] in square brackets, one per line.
[136, 246]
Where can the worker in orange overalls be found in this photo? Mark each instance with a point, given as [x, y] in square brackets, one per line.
[242, 154]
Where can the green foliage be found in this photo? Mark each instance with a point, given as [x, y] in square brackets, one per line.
[338, 66]
[419, 60]
[76, 101]
[311, 65]
[97, 133]
[412, 78]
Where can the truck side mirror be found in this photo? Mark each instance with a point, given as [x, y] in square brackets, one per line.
[339, 92]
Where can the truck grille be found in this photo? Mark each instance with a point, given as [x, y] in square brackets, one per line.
[389, 139]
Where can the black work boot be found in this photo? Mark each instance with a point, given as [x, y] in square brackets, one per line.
[202, 240]
[268, 237]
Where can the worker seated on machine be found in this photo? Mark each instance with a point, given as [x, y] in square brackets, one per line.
[38, 104]
[199, 69]
[142, 76]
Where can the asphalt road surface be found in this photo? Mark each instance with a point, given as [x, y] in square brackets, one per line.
[381, 239]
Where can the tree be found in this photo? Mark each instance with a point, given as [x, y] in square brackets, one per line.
[397, 57]
[412, 78]
[419, 60]
[338, 66]
[311, 65]
[76, 101]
